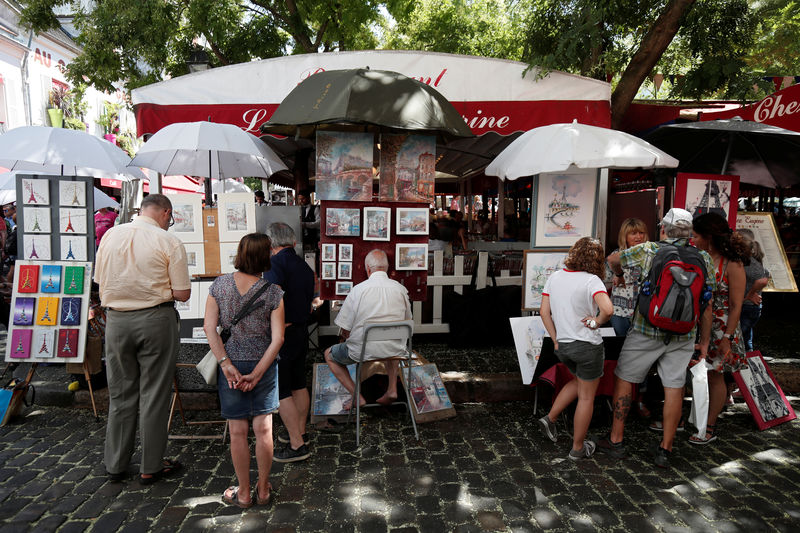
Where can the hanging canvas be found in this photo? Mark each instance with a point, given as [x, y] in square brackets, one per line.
[538, 265]
[73, 279]
[565, 207]
[377, 221]
[35, 191]
[227, 256]
[70, 311]
[408, 168]
[51, 278]
[72, 220]
[36, 247]
[36, 219]
[43, 345]
[708, 193]
[344, 166]
[411, 256]
[237, 215]
[67, 343]
[23, 311]
[73, 248]
[28, 278]
[195, 258]
[412, 220]
[20, 347]
[187, 212]
[765, 232]
[342, 222]
[47, 311]
[72, 193]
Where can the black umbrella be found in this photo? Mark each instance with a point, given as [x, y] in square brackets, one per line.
[365, 100]
[758, 153]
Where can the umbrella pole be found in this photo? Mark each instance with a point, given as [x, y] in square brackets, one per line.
[209, 197]
[727, 154]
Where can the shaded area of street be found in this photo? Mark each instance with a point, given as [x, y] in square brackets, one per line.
[487, 469]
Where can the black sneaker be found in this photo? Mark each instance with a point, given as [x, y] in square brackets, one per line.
[661, 456]
[287, 454]
[283, 438]
[614, 449]
[549, 428]
[586, 451]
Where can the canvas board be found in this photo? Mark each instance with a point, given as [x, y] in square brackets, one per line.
[73, 248]
[775, 260]
[72, 221]
[187, 211]
[344, 166]
[529, 334]
[72, 193]
[408, 168]
[429, 397]
[537, 267]
[565, 206]
[237, 215]
[35, 191]
[36, 247]
[708, 193]
[762, 393]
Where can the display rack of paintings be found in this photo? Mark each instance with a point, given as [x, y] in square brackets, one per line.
[49, 312]
[765, 232]
[408, 168]
[564, 207]
[187, 212]
[708, 193]
[537, 267]
[344, 166]
[237, 216]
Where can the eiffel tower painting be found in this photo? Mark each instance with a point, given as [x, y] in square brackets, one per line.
[23, 311]
[21, 341]
[33, 254]
[27, 282]
[36, 191]
[47, 314]
[69, 223]
[44, 348]
[75, 200]
[71, 312]
[70, 255]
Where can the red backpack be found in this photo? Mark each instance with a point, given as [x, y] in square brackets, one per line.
[675, 293]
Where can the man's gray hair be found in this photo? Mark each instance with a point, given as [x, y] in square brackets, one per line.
[281, 234]
[676, 231]
[156, 200]
[377, 260]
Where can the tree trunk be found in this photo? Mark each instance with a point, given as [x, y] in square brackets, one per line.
[653, 46]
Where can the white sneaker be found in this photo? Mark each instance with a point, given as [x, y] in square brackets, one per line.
[549, 428]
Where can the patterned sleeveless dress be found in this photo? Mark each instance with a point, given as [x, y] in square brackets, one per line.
[736, 360]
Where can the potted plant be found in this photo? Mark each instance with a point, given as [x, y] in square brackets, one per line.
[55, 109]
[75, 108]
[110, 121]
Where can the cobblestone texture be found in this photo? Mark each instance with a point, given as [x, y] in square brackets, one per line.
[488, 469]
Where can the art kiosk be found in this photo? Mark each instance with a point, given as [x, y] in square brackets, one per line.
[53, 272]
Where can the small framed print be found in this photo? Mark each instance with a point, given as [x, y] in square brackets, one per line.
[328, 270]
[36, 247]
[342, 222]
[345, 271]
[37, 219]
[329, 252]
[72, 193]
[377, 221]
[345, 252]
[411, 256]
[73, 248]
[227, 256]
[343, 288]
[35, 191]
[412, 221]
[537, 267]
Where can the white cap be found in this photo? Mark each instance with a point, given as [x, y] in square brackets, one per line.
[677, 217]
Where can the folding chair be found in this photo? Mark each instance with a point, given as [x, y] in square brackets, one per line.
[383, 331]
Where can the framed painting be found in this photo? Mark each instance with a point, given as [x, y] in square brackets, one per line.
[329, 252]
[187, 212]
[708, 193]
[345, 271]
[428, 393]
[195, 258]
[412, 220]
[344, 166]
[537, 267]
[564, 207]
[762, 393]
[72, 220]
[237, 216]
[227, 256]
[765, 232]
[529, 334]
[36, 219]
[35, 191]
[329, 397]
[377, 221]
[72, 193]
[411, 256]
[343, 288]
[345, 252]
[328, 270]
[342, 222]
[408, 168]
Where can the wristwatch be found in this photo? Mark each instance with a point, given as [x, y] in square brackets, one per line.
[729, 337]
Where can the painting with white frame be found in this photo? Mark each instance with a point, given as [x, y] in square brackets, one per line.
[72, 220]
[328, 252]
[328, 270]
[187, 211]
[35, 191]
[377, 223]
[37, 219]
[411, 256]
[343, 288]
[345, 252]
[537, 267]
[236, 215]
[345, 271]
[565, 207]
[72, 193]
[227, 256]
[412, 220]
[195, 258]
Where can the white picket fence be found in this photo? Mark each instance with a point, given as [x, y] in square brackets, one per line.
[461, 276]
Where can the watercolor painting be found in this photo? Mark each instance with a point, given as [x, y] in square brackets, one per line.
[411, 256]
[565, 207]
[70, 311]
[708, 193]
[529, 333]
[412, 220]
[72, 220]
[36, 247]
[73, 279]
[377, 221]
[328, 271]
[328, 252]
[72, 193]
[23, 311]
[408, 168]
[183, 214]
[73, 248]
[187, 212]
[195, 258]
[44, 343]
[47, 312]
[342, 222]
[36, 219]
[538, 265]
[345, 270]
[345, 252]
[330, 396]
[51, 278]
[27, 278]
[35, 191]
[343, 288]
[237, 216]
[344, 166]
[427, 390]
[20, 347]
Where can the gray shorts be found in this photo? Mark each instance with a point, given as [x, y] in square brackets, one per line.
[341, 354]
[640, 352]
[582, 358]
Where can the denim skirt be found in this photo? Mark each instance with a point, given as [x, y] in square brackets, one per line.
[262, 400]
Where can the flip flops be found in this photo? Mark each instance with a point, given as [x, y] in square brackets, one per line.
[170, 469]
[233, 499]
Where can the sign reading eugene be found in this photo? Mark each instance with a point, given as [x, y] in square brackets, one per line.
[764, 231]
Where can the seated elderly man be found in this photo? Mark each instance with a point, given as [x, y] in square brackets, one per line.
[378, 299]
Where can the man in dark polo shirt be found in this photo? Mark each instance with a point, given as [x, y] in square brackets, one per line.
[296, 279]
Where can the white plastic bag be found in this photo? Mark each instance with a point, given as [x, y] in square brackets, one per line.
[699, 414]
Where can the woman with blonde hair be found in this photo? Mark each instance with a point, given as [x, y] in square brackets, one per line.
[574, 305]
[625, 288]
[247, 381]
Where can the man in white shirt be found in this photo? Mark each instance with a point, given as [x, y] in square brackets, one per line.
[378, 299]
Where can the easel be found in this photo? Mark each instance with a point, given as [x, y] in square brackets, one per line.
[176, 400]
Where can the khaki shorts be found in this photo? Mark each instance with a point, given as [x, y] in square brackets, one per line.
[640, 352]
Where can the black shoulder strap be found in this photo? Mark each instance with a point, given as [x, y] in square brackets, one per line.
[249, 306]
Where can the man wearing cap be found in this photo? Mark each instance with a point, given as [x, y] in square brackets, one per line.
[645, 345]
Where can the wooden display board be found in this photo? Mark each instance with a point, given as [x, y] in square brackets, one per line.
[211, 241]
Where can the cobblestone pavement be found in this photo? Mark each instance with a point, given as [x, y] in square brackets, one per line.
[487, 469]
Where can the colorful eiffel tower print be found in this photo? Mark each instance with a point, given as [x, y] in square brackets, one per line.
[71, 312]
[45, 339]
[44, 349]
[51, 278]
[32, 197]
[23, 311]
[48, 307]
[73, 276]
[21, 341]
[28, 278]
[33, 255]
[36, 246]
[75, 200]
[67, 343]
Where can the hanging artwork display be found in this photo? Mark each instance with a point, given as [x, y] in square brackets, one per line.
[411, 256]
[377, 223]
[36, 247]
[408, 168]
[72, 193]
[529, 333]
[765, 232]
[565, 206]
[187, 212]
[35, 191]
[51, 278]
[412, 220]
[342, 222]
[73, 248]
[237, 214]
[36, 219]
[762, 393]
[708, 193]
[344, 166]
[537, 267]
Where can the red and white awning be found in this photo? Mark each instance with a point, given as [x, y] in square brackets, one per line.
[781, 109]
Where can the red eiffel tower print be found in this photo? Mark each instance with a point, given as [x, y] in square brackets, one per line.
[69, 224]
[44, 349]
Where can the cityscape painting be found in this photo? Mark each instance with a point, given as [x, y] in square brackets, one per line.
[344, 166]
[408, 168]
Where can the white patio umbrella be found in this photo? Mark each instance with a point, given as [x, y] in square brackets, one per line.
[208, 149]
[44, 150]
[557, 147]
[223, 186]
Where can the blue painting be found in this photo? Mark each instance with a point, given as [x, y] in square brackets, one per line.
[51, 278]
[70, 311]
[344, 166]
[23, 311]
